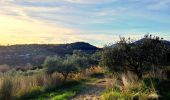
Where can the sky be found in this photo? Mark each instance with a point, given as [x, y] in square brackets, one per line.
[98, 22]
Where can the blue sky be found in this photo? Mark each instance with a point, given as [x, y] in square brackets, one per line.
[95, 21]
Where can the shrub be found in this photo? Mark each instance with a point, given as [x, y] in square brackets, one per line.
[6, 89]
[57, 64]
[51, 64]
[148, 54]
[66, 66]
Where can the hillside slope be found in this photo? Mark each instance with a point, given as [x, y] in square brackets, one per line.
[36, 53]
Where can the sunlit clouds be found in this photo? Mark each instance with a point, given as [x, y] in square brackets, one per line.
[94, 21]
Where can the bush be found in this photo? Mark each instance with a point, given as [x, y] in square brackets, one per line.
[66, 66]
[52, 64]
[6, 89]
[57, 64]
[147, 55]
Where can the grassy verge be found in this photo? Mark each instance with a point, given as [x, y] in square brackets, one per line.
[129, 88]
[40, 86]
[63, 92]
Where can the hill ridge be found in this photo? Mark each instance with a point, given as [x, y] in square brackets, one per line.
[36, 53]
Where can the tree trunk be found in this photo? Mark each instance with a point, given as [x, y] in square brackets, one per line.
[138, 72]
[140, 76]
[65, 75]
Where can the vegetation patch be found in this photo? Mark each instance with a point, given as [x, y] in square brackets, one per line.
[130, 89]
[63, 92]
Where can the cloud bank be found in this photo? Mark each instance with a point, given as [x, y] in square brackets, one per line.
[95, 21]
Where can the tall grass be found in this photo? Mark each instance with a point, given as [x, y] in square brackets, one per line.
[128, 87]
[16, 87]
[6, 89]
[28, 84]
[23, 85]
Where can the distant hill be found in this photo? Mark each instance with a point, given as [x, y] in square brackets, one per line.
[36, 53]
[141, 40]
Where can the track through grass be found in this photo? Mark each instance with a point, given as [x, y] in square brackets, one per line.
[63, 92]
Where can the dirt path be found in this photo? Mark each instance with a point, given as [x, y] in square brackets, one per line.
[94, 90]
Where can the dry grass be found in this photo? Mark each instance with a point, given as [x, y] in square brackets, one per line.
[94, 70]
[6, 89]
[19, 86]
[128, 87]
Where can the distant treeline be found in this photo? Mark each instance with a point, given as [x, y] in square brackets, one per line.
[35, 54]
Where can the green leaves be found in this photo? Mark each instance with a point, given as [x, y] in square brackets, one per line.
[69, 64]
[135, 56]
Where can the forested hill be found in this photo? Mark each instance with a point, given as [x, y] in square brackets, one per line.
[165, 42]
[36, 53]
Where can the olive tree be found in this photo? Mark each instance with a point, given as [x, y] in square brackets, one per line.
[137, 57]
[66, 65]
[60, 65]
[51, 64]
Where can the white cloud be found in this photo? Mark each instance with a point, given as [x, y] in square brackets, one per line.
[60, 21]
[17, 27]
[89, 1]
[158, 5]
